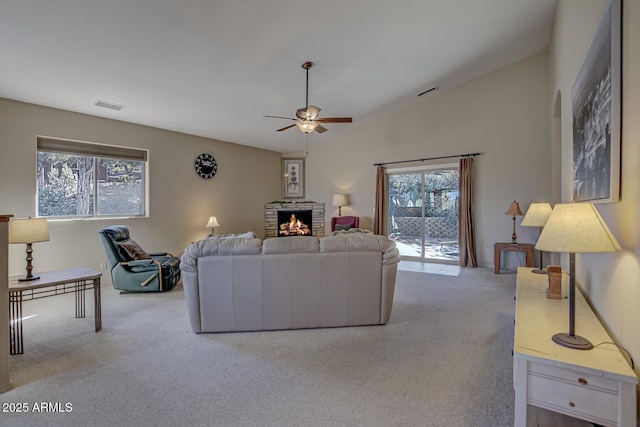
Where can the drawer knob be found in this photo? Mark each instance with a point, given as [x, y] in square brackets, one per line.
[582, 381]
[572, 404]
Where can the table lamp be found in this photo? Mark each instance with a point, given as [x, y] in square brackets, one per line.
[29, 231]
[575, 228]
[537, 216]
[340, 200]
[514, 209]
[212, 224]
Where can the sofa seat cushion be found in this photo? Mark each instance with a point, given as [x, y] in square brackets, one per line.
[291, 245]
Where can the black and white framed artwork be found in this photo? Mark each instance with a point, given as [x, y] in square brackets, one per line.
[596, 105]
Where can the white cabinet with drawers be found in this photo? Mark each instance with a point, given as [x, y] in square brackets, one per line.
[595, 385]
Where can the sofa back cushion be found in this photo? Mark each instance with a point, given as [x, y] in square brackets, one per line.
[290, 245]
[354, 240]
[218, 246]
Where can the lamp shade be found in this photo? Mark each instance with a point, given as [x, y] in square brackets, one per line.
[576, 228]
[514, 209]
[28, 230]
[213, 222]
[340, 200]
[537, 215]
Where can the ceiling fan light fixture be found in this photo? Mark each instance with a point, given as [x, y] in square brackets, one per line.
[306, 126]
[306, 116]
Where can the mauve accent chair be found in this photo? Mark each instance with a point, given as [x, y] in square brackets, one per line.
[353, 221]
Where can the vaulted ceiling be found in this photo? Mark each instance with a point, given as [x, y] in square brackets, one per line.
[215, 68]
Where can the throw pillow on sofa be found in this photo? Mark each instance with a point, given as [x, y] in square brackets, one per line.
[342, 227]
[134, 250]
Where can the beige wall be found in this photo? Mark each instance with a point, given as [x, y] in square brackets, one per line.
[180, 201]
[612, 281]
[503, 114]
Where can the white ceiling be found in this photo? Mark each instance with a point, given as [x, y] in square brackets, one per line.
[214, 68]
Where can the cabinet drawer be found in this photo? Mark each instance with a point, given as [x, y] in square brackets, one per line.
[574, 377]
[590, 403]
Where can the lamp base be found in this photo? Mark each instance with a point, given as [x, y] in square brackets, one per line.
[539, 270]
[575, 342]
[28, 278]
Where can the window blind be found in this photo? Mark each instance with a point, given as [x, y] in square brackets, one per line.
[54, 145]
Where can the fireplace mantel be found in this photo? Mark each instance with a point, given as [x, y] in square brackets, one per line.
[271, 216]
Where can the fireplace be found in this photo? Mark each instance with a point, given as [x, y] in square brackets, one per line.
[272, 221]
[295, 223]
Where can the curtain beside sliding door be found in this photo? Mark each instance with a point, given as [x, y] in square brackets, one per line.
[466, 225]
[380, 218]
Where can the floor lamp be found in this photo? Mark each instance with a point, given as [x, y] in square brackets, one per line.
[575, 228]
[537, 216]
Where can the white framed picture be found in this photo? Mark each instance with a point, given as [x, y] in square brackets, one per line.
[293, 178]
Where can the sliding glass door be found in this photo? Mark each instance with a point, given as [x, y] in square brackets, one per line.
[423, 212]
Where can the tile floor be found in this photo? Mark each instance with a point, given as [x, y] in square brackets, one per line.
[428, 267]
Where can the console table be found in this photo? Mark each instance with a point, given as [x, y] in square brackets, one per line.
[595, 385]
[514, 247]
[52, 283]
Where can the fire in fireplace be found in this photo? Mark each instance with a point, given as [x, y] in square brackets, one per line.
[294, 223]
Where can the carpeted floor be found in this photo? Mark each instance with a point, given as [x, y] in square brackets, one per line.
[444, 359]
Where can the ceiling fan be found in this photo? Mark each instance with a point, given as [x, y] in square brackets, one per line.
[307, 118]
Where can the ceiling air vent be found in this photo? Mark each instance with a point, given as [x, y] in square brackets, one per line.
[109, 105]
[428, 91]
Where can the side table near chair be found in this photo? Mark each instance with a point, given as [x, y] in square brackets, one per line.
[512, 247]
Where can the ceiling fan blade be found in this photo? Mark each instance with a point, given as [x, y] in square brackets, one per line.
[312, 112]
[321, 129]
[335, 120]
[285, 128]
[309, 113]
[280, 117]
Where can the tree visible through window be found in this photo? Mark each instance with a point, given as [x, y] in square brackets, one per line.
[72, 184]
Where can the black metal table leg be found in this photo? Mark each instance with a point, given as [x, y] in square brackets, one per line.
[15, 332]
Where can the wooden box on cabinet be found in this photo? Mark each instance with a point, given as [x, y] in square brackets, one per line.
[554, 290]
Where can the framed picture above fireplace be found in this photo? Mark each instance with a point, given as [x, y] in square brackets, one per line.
[293, 178]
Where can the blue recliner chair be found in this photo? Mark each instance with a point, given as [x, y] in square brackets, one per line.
[134, 270]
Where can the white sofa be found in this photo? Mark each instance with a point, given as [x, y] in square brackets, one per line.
[246, 284]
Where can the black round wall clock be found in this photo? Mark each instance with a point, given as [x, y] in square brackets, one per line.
[206, 166]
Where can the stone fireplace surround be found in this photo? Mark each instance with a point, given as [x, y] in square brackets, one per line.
[271, 216]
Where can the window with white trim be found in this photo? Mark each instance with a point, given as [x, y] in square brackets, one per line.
[84, 180]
